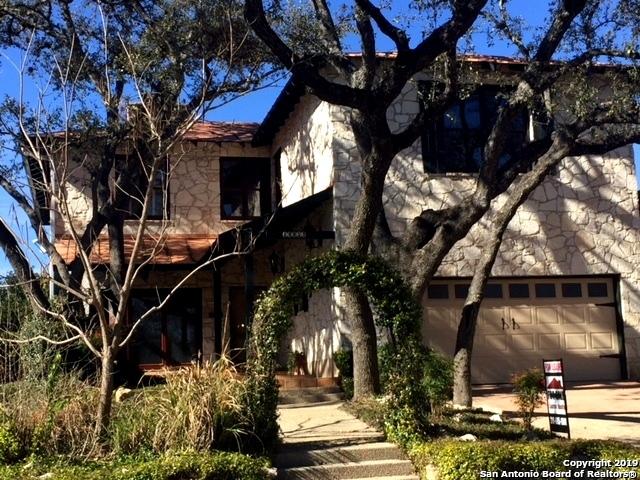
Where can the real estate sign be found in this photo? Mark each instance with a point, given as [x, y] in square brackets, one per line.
[556, 396]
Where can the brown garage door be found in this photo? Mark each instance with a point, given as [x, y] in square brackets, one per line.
[523, 321]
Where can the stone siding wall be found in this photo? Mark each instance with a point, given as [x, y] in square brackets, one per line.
[582, 220]
[194, 190]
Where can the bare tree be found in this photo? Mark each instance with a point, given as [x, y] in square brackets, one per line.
[576, 32]
[128, 80]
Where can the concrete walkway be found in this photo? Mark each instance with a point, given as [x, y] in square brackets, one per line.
[596, 410]
[323, 441]
[324, 423]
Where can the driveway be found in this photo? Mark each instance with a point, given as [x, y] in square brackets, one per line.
[608, 410]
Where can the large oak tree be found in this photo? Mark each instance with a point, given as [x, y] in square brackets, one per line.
[577, 33]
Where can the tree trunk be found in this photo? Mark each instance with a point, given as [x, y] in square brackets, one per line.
[462, 394]
[18, 261]
[366, 378]
[106, 392]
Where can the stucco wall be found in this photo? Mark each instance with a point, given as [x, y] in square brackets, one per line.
[305, 142]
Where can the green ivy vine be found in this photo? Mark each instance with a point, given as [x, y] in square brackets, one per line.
[395, 310]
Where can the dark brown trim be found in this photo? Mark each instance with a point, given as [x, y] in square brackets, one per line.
[218, 318]
[279, 112]
[624, 372]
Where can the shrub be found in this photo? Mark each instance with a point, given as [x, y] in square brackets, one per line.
[343, 359]
[52, 417]
[370, 410]
[437, 379]
[457, 460]
[172, 466]
[9, 444]
[529, 388]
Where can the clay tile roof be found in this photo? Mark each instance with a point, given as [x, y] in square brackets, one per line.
[222, 131]
[172, 249]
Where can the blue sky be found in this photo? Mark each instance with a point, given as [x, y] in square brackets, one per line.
[252, 107]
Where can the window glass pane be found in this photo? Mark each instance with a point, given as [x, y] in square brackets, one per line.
[518, 290]
[472, 112]
[156, 207]
[232, 206]
[571, 290]
[461, 290]
[182, 336]
[253, 203]
[493, 290]
[438, 291]
[146, 347]
[452, 117]
[545, 290]
[597, 289]
[245, 187]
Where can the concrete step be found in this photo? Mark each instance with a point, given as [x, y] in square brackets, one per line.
[293, 455]
[366, 469]
[310, 395]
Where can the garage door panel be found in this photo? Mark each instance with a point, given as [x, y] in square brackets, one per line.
[438, 329]
[576, 341]
[523, 343]
[573, 315]
[603, 341]
[522, 316]
[549, 341]
[491, 344]
[547, 316]
[492, 320]
[602, 315]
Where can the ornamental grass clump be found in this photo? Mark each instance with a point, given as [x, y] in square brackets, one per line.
[200, 408]
[529, 389]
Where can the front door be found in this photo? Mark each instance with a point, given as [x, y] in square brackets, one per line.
[239, 322]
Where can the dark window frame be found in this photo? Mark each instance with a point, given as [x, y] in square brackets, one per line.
[437, 140]
[264, 173]
[134, 206]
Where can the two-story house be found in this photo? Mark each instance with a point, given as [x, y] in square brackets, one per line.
[566, 282]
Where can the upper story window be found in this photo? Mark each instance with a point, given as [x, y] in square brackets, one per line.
[158, 202]
[245, 187]
[455, 143]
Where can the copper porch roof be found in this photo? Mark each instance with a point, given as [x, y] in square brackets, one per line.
[221, 131]
[170, 249]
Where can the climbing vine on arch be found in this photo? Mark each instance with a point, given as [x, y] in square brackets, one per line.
[395, 310]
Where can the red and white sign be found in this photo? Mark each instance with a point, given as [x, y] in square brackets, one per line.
[556, 396]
